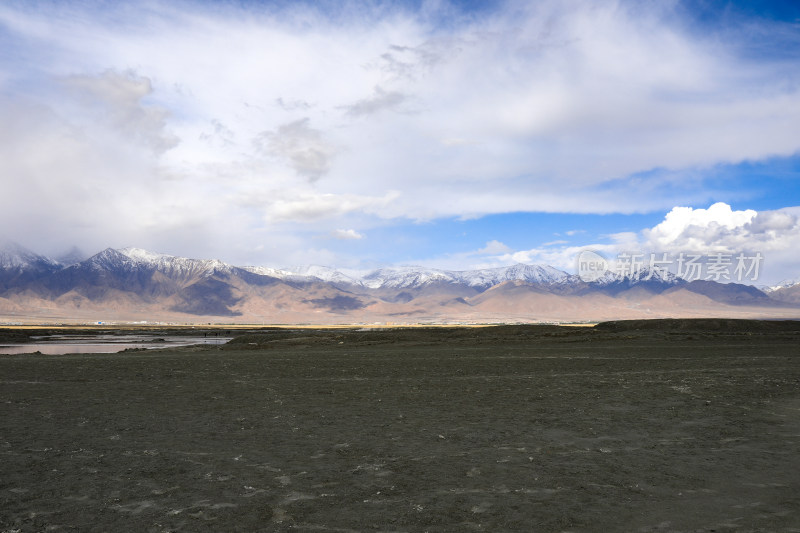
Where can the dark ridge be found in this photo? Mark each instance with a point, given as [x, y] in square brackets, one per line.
[653, 285]
[259, 280]
[209, 297]
[729, 293]
[732, 325]
[400, 298]
[410, 336]
[338, 303]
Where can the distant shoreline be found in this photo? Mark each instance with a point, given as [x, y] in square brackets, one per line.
[390, 326]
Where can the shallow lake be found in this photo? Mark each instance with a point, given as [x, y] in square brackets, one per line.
[64, 344]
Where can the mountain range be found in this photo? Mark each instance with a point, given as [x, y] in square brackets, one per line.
[134, 285]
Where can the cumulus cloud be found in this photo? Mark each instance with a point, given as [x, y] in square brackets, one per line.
[722, 229]
[774, 235]
[718, 229]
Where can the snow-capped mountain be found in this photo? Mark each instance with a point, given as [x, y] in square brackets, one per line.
[173, 265]
[267, 271]
[639, 276]
[539, 274]
[19, 266]
[406, 277]
[108, 259]
[414, 277]
[141, 282]
[785, 284]
[308, 273]
[787, 291]
[327, 274]
[130, 260]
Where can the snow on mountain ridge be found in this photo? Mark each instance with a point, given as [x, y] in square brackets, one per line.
[138, 254]
[328, 274]
[785, 284]
[639, 275]
[520, 272]
[267, 271]
[154, 258]
[108, 259]
[403, 277]
[14, 256]
[137, 258]
[400, 277]
[406, 277]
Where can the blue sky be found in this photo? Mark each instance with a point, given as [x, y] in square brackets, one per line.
[449, 134]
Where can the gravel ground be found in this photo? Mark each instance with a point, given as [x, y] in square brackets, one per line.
[653, 429]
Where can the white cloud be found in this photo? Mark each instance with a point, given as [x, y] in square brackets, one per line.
[717, 229]
[494, 247]
[190, 126]
[721, 229]
[312, 206]
[563, 257]
[91, 181]
[701, 230]
[115, 99]
[346, 234]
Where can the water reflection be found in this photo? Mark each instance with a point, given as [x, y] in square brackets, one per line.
[65, 344]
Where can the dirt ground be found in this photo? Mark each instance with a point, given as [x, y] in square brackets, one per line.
[677, 426]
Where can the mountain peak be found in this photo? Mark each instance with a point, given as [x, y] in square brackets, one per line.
[785, 284]
[108, 259]
[141, 255]
[137, 282]
[171, 263]
[414, 276]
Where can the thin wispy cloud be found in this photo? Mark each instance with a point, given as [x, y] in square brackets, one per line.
[380, 101]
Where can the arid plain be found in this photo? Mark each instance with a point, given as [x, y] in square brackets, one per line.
[628, 426]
